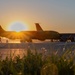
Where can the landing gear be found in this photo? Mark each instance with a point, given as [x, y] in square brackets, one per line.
[63, 40]
[22, 41]
[51, 40]
[0, 40]
[72, 40]
[28, 40]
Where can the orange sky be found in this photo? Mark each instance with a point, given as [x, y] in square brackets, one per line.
[51, 14]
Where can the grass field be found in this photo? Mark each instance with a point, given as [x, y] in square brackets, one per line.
[34, 63]
[46, 59]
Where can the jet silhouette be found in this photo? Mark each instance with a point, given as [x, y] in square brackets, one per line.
[39, 34]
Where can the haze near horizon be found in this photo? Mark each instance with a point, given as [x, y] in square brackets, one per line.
[57, 15]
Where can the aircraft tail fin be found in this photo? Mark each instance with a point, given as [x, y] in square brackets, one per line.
[1, 29]
[38, 27]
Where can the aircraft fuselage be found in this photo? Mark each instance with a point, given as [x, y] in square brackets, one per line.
[40, 34]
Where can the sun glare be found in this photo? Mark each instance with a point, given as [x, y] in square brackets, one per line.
[17, 26]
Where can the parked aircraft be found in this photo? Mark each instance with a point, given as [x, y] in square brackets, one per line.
[53, 35]
[39, 34]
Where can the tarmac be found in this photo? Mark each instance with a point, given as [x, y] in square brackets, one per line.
[46, 48]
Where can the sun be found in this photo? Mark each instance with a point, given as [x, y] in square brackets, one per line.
[18, 26]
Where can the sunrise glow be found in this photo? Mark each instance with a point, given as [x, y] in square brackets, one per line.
[17, 26]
